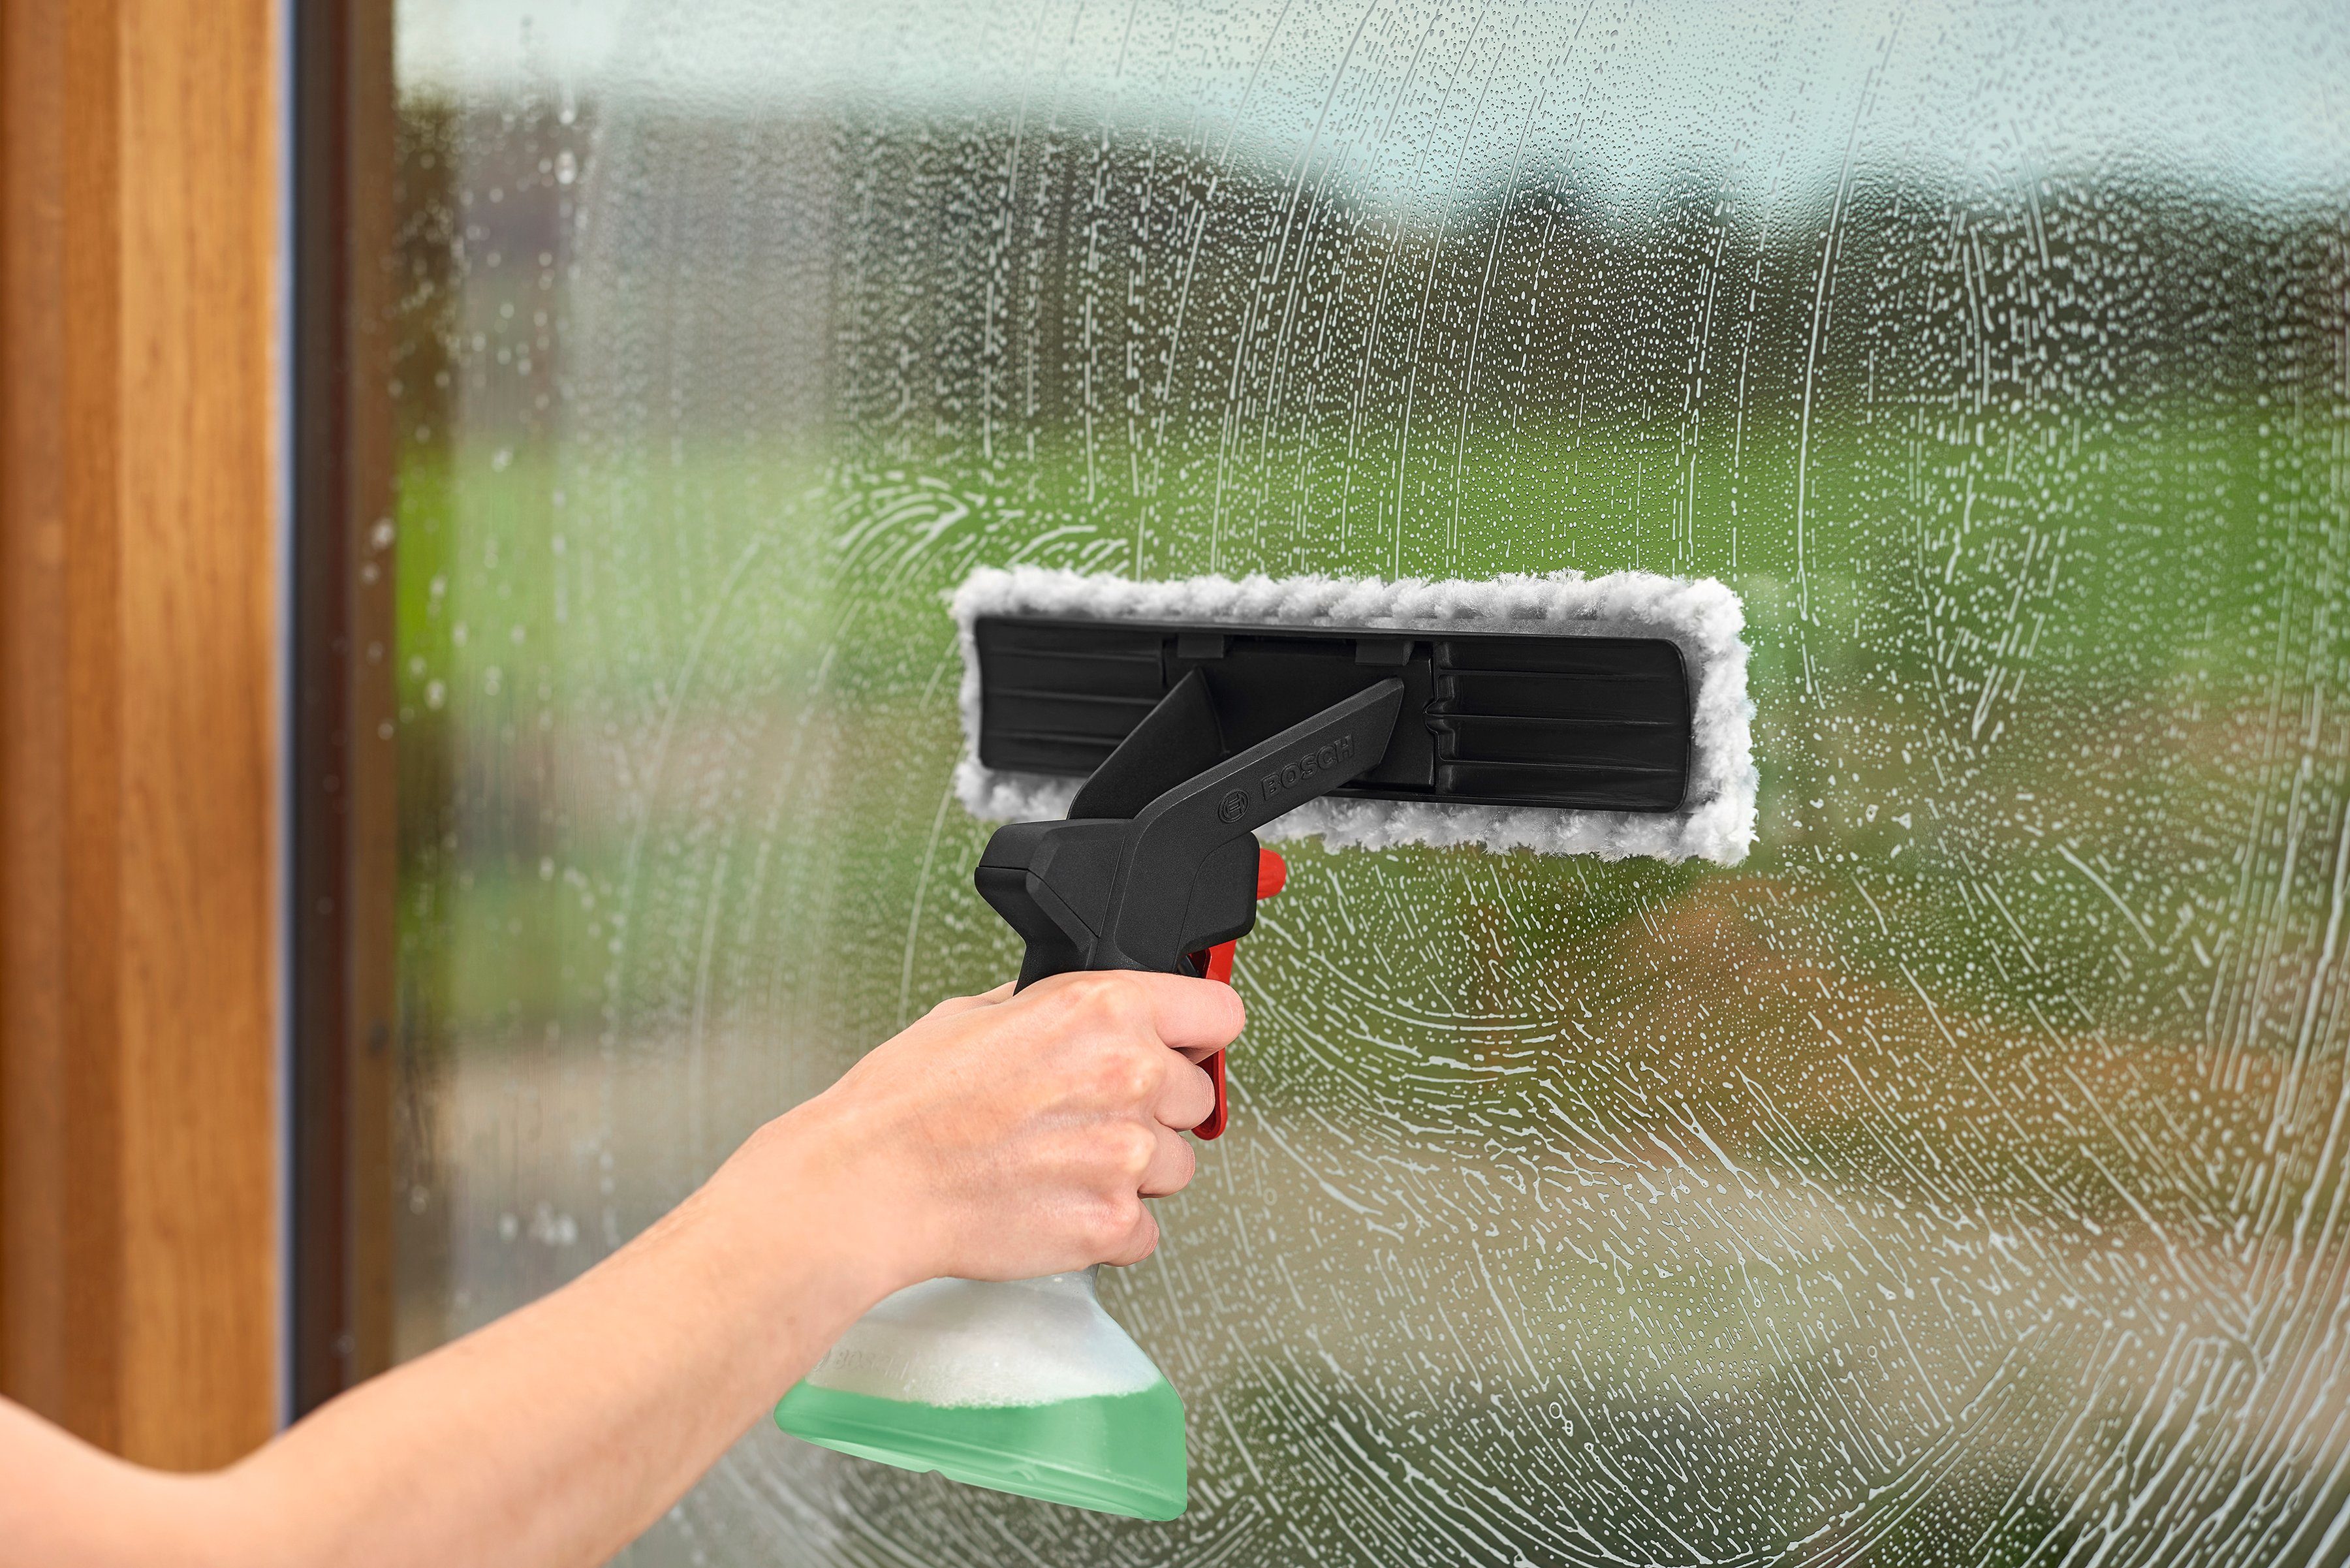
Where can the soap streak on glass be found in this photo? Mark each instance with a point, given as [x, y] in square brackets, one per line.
[1958, 1178]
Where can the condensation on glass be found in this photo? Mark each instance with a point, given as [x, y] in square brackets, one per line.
[1960, 1179]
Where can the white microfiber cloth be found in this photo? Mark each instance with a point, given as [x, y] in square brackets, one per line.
[1700, 615]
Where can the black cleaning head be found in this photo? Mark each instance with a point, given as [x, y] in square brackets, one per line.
[1489, 718]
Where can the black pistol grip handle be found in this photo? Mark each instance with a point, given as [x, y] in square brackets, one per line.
[1051, 882]
[1053, 887]
[1180, 875]
[1214, 815]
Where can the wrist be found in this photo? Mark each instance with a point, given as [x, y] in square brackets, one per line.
[804, 1193]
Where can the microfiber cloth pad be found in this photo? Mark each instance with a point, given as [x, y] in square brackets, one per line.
[1700, 615]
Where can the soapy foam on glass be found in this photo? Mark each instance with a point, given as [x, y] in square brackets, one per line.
[1700, 615]
[971, 1342]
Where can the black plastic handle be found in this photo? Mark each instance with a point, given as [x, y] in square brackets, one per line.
[1144, 890]
[1216, 813]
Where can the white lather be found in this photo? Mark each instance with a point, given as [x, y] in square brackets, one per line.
[1700, 615]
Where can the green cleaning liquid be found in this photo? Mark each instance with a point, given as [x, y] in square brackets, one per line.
[1114, 1453]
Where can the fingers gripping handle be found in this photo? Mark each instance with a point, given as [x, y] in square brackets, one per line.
[1216, 963]
[1164, 885]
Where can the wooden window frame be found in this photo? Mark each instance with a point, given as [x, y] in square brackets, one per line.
[141, 662]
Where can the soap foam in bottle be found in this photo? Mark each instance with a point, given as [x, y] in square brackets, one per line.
[1022, 1386]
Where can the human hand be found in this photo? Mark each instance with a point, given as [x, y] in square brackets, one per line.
[1008, 1136]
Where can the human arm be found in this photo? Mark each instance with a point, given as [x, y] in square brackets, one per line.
[1001, 1137]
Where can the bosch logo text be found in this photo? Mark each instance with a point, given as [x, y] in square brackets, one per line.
[1322, 759]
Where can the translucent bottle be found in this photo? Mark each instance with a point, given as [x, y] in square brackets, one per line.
[1025, 1387]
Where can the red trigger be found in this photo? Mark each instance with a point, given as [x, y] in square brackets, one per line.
[1216, 963]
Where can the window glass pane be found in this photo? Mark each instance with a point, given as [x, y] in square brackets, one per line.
[1960, 1179]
